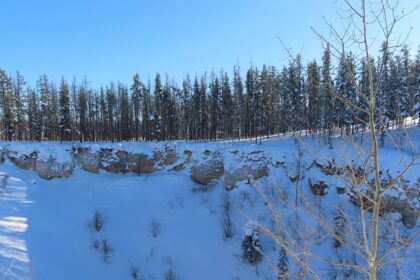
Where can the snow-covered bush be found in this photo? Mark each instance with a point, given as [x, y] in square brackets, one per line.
[251, 248]
[134, 272]
[97, 222]
[282, 265]
[170, 274]
[106, 250]
[154, 228]
[226, 218]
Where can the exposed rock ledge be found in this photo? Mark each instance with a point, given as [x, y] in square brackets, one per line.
[57, 162]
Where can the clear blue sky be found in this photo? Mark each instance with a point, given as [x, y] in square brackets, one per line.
[112, 40]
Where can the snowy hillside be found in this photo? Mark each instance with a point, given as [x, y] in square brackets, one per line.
[101, 216]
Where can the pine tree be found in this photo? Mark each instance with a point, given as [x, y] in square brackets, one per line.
[111, 108]
[251, 103]
[215, 94]
[282, 265]
[314, 98]
[34, 121]
[327, 96]
[159, 107]
[7, 106]
[136, 98]
[19, 98]
[186, 107]
[227, 109]
[339, 227]
[266, 97]
[147, 112]
[65, 118]
[345, 88]
[251, 248]
[204, 114]
[238, 100]
[83, 112]
[124, 113]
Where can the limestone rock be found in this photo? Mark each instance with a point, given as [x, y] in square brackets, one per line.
[50, 168]
[113, 162]
[88, 159]
[207, 172]
[22, 161]
[140, 163]
[318, 188]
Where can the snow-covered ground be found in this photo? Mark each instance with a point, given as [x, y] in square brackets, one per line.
[45, 233]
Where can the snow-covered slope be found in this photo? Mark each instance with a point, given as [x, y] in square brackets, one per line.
[164, 221]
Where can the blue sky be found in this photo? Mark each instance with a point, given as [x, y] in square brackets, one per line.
[112, 40]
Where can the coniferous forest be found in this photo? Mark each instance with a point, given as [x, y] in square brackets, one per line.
[255, 103]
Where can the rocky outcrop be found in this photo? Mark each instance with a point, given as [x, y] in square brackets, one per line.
[252, 166]
[113, 161]
[166, 157]
[181, 166]
[88, 159]
[409, 213]
[244, 173]
[22, 161]
[46, 168]
[140, 163]
[51, 168]
[207, 172]
[319, 188]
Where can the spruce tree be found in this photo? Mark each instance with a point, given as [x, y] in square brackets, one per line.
[7, 106]
[65, 118]
[282, 265]
[314, 99]
[19, 98]
[251, 248]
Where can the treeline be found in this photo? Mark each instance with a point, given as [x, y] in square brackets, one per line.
[264, 102]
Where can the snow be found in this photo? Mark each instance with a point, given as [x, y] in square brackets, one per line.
[44, 231]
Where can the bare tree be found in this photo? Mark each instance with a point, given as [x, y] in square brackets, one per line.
[367, 187]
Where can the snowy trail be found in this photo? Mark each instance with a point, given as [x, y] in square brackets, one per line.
[14, 260]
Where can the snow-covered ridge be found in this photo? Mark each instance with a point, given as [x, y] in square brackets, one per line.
[205, 161]
[232, 162]
[181, 187]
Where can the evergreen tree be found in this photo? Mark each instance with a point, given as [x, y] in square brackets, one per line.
[227, 108]
[327, 96]
[238, 100]
[314, 99]
[339, 227]
[7, 106]
[34, 122]
[204, 114]
[65, 118]
[136, 98]
[186, 107]
[19, 98]
[215, 93]
[346, 89]
[111, 108]
[282, 265]
[251, 248]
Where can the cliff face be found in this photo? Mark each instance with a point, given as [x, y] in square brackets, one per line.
[205, 164]
[60, 161]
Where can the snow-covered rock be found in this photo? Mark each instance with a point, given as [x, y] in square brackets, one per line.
[89, 159]
[24, 161]
[51, 168]
[207, 172]
[140, 163]
[113, 161]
